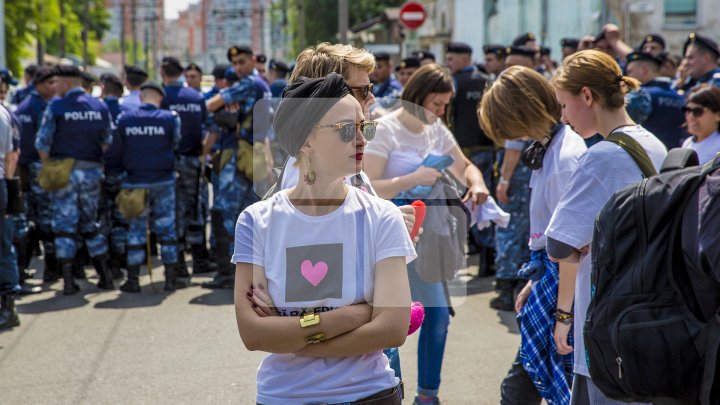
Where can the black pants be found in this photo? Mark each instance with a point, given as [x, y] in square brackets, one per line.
[517, 388]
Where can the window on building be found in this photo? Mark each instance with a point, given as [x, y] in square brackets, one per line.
[681, 12]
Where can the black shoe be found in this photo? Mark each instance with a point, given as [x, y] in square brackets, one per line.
[8, 314]
[506, 300]
[78, 271]
[105, 281]
[70, 287]
[132, 284]
[171, 277]
[27, 289]
[201, 264]
[487, 262]
[116, 266]
[182, 276]
[221, 281]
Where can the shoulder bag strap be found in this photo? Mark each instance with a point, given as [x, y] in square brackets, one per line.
[635, 150]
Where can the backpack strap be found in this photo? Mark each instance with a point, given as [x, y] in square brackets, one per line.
[635, 150]
[680, 158]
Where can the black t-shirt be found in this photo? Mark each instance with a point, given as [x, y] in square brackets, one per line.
[701, 243]
[470, 85]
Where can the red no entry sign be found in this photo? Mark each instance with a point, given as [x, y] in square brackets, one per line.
[412, 15]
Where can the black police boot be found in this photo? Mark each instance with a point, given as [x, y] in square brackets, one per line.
[182, 275]
[78, 269]
[70, 287]
[132, 284]
[8, 313]
[201, 264]
[52, 269]
[116, 266]
[224, 278]
[506, 300]
[487, 262]
[103, 271]
[171, 277]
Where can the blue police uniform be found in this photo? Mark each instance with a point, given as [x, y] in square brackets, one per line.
[114, 226]
[666, 117]
[21, 94]
[77, 126]
[233, 191]
[712, 77]
[277, 87]
[37, 201]
[189, 104]
[387, 93]
[132, 100]
[149, 138]
[9, 275]
[211, 93]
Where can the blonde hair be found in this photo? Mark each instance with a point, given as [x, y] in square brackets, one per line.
[521, 102]
[599, 72]
[324, 58]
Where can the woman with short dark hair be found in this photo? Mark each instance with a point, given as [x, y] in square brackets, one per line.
[702, 118]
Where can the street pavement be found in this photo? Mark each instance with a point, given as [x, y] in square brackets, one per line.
[99, 347]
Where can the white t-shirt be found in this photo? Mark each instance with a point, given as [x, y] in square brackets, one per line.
[602, 170]
[707, 149]
[321, 262]
[548, 183]
[290, 177]
[405, 150]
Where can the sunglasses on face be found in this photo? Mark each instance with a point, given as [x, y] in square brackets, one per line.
[363, 90]
[696, 111]
[348, 130]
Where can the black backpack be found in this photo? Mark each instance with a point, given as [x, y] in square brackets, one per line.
[644, 338]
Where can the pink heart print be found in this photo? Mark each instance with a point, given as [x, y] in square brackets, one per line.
[313, 273]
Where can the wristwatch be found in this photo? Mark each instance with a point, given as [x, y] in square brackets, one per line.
[503, 181]
[309, 320]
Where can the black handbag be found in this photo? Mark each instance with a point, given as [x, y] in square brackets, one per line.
[16, 202]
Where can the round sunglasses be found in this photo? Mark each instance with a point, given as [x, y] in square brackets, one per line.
[696, 111]
[348, 130]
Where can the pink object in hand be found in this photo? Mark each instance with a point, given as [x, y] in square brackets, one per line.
[417, 315]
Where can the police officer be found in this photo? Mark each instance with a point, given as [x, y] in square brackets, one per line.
[9, 275]
[134, 78]
[37, 200]
[276, 77]
[234, 188]
[149, 136]
[425, 57]
[470, 85]
[519, 55]
[260, 71]
[653, 44]
[88, 81]
[569, 46]
[494, 58]
[28, 77]
[193, 76]
[701, 61]
[220, 82]
[77, 126]
[385, 89]
[189, 104]
[406, 68]
[113, 223]
[664, 114]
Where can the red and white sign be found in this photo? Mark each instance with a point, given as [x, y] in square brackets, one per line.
[412, 15]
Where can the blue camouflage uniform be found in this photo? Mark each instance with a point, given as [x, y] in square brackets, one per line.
[712, 77]
[114, 225]
[9, 142]
[666, 117]
[638, 104]
[37, 201]
[233, 190]
[511, 242]
[189, 104]
[77, 126]
[387, 93]
[149, 136]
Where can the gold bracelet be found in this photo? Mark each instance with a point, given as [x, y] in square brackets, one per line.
[563, 317]
[309, 320]
[316, 338]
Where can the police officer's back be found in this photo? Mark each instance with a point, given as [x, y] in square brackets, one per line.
[188, 103]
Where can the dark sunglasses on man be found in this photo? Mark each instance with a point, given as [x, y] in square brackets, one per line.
[348, 129]
[696, 111]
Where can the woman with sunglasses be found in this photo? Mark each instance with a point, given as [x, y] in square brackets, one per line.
[702, 118]
[590, 88]
[405, 138]
[331, 258]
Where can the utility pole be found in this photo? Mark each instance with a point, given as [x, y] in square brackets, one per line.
[62, 28]
[343, 20]
[147, 50]
[301, 23]
[38, 35]
[133, 28]
[86, 22]
[122, 34]
[3, 58]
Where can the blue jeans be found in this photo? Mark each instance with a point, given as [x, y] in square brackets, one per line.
[433, 333]
[9, 276]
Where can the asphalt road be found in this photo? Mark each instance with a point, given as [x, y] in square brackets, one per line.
[100, 347]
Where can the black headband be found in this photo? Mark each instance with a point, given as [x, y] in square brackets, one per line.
[304, 104]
